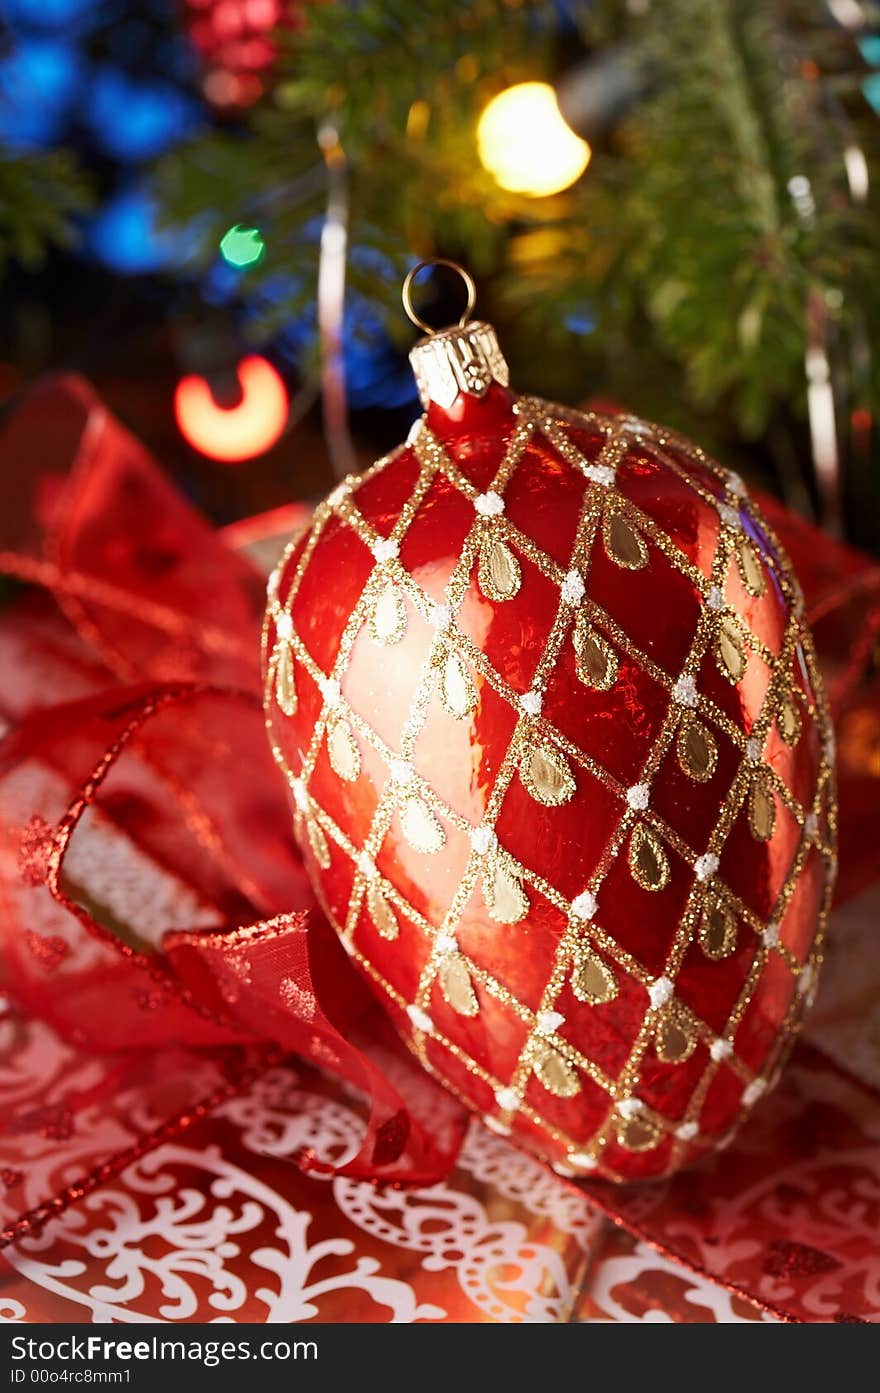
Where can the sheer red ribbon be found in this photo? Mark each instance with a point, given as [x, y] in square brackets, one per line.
[156, 918]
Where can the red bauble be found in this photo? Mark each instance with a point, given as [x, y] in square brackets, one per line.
[548, 707]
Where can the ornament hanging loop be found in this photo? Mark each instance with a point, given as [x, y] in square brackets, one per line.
[432, 261]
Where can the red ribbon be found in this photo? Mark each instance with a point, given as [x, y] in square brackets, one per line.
[156, 915]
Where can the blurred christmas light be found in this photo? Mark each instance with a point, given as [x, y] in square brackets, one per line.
[525, 143]
[39, 82]
[125, 237]
[871, 89]
[869, 47]
[234, 433]
[137, 120]
[242, 245]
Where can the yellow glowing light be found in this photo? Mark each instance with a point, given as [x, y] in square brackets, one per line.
[526, 144]
[236, 432]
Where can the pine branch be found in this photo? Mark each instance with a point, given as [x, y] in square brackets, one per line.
[40, 198]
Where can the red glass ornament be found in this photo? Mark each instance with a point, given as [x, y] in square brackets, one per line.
[542, 688]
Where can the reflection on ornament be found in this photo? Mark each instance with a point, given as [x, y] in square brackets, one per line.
[526, 144]
[237, 432]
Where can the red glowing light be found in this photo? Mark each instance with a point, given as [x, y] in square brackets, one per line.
[237, 432]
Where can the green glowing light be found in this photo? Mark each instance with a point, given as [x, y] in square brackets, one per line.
[242, 245]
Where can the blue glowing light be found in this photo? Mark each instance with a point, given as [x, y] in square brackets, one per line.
[124, 235]
[48, 14]
[871, 89]
[869, 47]
[39, 79]
[137, 120]
[580, 321]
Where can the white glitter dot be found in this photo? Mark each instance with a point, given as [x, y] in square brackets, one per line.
[730, 516]
[753, 1091]
[715, 598]
[274, 582]
[482, 839]
[736, 484]
[805, 980]
[706, 866]
[401, 772]
[507, 1099]
[811, 826]
[685, 690]
[414, 431]
[300, 797]
[660, 992]
[630, 1107]
[638, 797]
[583, 906]
[420, 1019]
[531, 703]
[753, 749]
[600, 474]
[340, 492]
[439, 616]
[386, 549]
[771, 935]
[636, 426]
[366, 865]
[489, 505]
[582, 1160]
[495, 1126]
[330, 690]
[284, 625]
[563, 1168]
[446, 942]
[549, 1021]
[686, 1131]
[573, 588]
[721, 1049]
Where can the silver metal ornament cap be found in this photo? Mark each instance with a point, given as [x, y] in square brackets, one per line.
[463, 358]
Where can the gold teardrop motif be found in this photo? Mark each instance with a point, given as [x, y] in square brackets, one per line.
[387, 622]
[593, 981]
[718, 930]
[421, 827]
[623, 543]
[498, 571]
[505, 898]
[750, 569]
[673, 1041]
[647, 859]
[637, 1133]
[458, 694]
[546, 776]
[342, 748]
[762, 810]
[555, 1072]
[456, 985]
[788, 720]
[382, 914]
[318, 843]
[697, 750]
[285, 681]
[596, 662]
[729, 652]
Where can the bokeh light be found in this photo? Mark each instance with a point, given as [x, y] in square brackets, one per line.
[234, 433]
[242, 245]
[525, 143]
